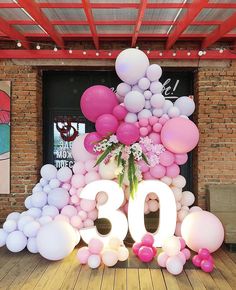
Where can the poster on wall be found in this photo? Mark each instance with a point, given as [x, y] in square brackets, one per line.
[5, 104]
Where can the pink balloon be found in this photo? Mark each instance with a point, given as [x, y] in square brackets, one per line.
[88, 223]
[161, 259]
[182, 257]
[157, 127]
[179, 135]
[156, 138]
[95, 246]
[78, 180]
[90, 141]
[154, 251]
[136, 247]
[78, 150]
[83, 215]
[127, 133]
[119, 112]
[79, 167]
[143, 131]
[196, 261]
[180, 159]
[178, 229]
[158, 171]
[152, 120]
[147, 176]
[174, 265]
[91, 176]
[143, 166]
[207, 266]
[69, 211]
[147, 240]
[182, 243]
[96, 101]
[87, 204]
[187, 253]
[145, 254]
[83, 255]
[172, 170]
[89, 165]
[143, 122]
[106, 124]
[93, 215]
[203, 254]
[76, 221]
[167, 158]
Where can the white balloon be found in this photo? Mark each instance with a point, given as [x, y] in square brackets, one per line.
[173, 112]
[10, 226]
[39, 199]
[31, 229]
[147, 105]
[157, 101]
[179, 181]
[144, 83]
[123, 89]
[156, 87]
[16, 241]
[131, 118]
[37, 188]
[64, 174]
[147, 94]
[188, 198]
[43, 181]
[56, 240]
[32, 245]
[44, 220]
[13, 216]
[94, 261]
[185, 105]
[28, 203]
[49, 210]
[48, 172]
[168, 104]
[47, 188]
[144, 114]
[137, 89]
[171, 246]
[3, 237]
[123, 253]
[154, 72]
[134, 101]
[54, 183]
[131, 65]
[23, 221]
[107, 171]
[34, 212]
[58, 197]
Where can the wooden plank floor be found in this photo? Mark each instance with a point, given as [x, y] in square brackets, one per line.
[27, 271]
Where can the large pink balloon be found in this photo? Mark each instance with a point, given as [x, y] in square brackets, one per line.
[97, 100]
[202, 229]
[127, 133]
[106, 124]
[78, 150]
[179, 135]
[90, 141]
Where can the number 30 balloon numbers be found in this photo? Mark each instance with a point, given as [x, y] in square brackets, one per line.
[119, 225]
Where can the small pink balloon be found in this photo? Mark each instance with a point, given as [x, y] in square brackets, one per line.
[167, 158]
[181, 159]
[106, 124]
[163, 120]
[196, 261]
[74, 199]
[91, 176]
[95, 246]
[76, 221]
[158, 171]
[93, 215]
[66, 186]
[203, 253]
[187, 253]
[156, 139]
[61, 217]
[127, 133]
[83, 215]
[182, 257]
[119, 112]
[157, 127]
[89, 165]
[78, 180]
[147, 176]
[207, 266]
[143, 131]
[136, 247]
[147, 240]
[143, 122]
[154, 251]
[69, 210]
[152, 120]
[195, 208]
[143, 166]
[87, 205]
[145, 254]
[90, 141]
[182, 243]
[88, 223]
[79, 168]
[172, 170]
[149, 128]
[73, 191]
[83, 255]
[161, 259]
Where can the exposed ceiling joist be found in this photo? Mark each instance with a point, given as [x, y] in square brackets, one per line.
[143, 5]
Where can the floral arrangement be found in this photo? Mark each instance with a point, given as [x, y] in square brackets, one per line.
[126, 158]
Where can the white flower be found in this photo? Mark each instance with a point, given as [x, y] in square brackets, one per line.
[113, 139]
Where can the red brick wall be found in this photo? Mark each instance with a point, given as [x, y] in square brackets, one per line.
[215, 157]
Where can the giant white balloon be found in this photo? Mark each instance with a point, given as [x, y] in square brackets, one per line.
[56, 240]
[131, 65]
[58, 197]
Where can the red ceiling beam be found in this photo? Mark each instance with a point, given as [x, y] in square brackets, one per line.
[106, 54]
[35, 12]
[220, 31]
[122, 5]
[89, 15]
[12, 33]
[194, 9]
[142, 7]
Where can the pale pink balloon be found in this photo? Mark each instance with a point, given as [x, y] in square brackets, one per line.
[181, 159]
[87, 205]
[153, 120]
[179, 135]
[143, 122]
[76, 221]
[93, 215]
[73, 191]
[69, 211]
[61, 217]
[178, 229]
[182, 257]
[202, 229]
[158, 171]
[187, 253]
[153, 205]
[143, 166]
[147, 176]
[182, 243]
[83, 255]
[74, 199]
[182, 215]
[167, 158]
[66, 186]
[78, 150]
[109, 257]
[79, 168]
[91, 176]
[174, 265]
[101, 197]
[95, 246]
[94, 261]
[90, 165]
[195, 208]
[161, 259]
[156, 138]
[78, 180]
[157, 127]
[143, 131]
[172, 170]
[83, 215]
[88, 223]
